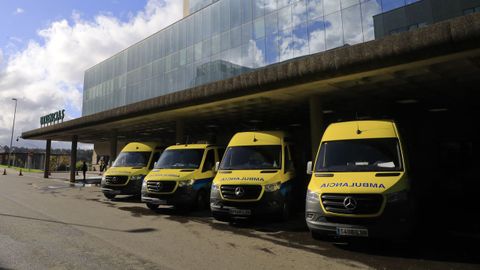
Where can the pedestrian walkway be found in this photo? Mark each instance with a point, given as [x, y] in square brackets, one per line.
[92, 177]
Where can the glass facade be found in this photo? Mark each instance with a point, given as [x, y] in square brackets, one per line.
[227, 38]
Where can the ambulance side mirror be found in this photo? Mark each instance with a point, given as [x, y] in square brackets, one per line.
[217, 165]
[309, 167]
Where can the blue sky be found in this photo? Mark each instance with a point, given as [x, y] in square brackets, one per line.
[20, 19]
[46, 46]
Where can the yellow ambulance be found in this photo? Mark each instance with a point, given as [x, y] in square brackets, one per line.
[126, 175]
[255, 177]
[182, 177]
[360, 185]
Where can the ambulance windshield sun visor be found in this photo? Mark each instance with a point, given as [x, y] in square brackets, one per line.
[252, 158]
[180, 159]
[132, 159]
[359, 155]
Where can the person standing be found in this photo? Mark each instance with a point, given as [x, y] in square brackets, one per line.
[84, 170]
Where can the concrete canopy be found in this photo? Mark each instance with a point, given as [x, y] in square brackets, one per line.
[438, 65]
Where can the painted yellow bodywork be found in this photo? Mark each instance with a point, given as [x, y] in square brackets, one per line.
[130, 171]
[359, 182]
[182, 174]
[255, 177]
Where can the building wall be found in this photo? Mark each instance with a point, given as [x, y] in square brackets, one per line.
[420, 14]
[225, 39]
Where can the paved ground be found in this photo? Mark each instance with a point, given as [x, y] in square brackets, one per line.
[51, 224]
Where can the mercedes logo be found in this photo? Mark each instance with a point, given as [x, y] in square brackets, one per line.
[350, 203]
[159, 185]
[239, 191]
[114, 179]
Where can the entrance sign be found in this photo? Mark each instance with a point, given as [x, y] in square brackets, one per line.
[52, 118]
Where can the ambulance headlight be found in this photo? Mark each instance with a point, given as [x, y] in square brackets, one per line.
[137, 177]
[312, 196]
[144, 185]
[103, 181]
[185, 183]
[215, 188]
[273, 187]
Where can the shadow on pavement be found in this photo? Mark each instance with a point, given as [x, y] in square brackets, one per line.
[446, 252]
[140, 230]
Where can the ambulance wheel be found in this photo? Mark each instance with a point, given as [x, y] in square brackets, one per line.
[286, 211]
[109, 196]
[152, 206]
[201, 202]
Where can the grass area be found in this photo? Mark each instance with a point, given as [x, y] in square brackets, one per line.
[23, 169]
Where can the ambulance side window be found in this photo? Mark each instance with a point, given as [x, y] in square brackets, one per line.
[209, 161]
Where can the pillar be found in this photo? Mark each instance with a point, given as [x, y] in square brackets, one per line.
[316, 123]
[179, 132]
[47, 159]
[113, 149]
[73, 158]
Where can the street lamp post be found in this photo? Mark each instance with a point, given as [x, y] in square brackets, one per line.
[13, 128]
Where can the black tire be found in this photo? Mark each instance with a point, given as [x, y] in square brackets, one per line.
[201, 201]
[109, 196]
[152, 206]
[286, 211]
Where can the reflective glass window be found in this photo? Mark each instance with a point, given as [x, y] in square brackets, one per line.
[352, 29]
[224, 15]
[270, 5]
[348, 3]
[235, 13]
[369, 9]
[206, 48]
[216, 44]
[206, 22]
[258, 7]
[259, 28]
[198, 51]
[271, 49]
[247, 10]
[225, 41]
[285, 18]
[334, 32]
[300, 40]
[315, 9]
[216, 18]
[259, 53]
[190, 54]
[316, 35]
[236, 37]
[299, 12]
[198, 27]
[331, 6]
[285, 45]
[247, 32]
[271, 23]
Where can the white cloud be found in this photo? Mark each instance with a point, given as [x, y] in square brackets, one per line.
[19, 11]
[48, 76]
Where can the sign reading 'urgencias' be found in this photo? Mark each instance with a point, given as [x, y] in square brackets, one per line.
[52, 118]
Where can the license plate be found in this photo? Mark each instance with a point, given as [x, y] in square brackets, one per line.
[161, 201]
[112, 191]
[240, 212]
[352, 232]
